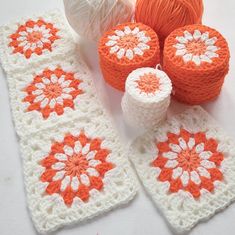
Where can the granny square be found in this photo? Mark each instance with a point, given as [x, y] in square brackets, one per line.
[34, 40]
[74, 172]
[51, 93]
[188, 168]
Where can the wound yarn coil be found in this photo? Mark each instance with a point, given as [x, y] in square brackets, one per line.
[168, 15]
[196, 58]
[147, 97]
[125, 48]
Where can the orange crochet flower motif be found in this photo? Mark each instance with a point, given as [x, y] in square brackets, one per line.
[33, 38]
[52, 91]
[189, 162]
[148, 83]
[74, 167]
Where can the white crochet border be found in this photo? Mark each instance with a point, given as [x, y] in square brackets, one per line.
[36, 135]
[180, 209]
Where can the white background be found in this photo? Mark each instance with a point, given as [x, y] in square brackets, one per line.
[140, 217]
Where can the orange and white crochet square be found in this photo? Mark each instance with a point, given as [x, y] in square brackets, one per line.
[188, 168]
[74, 165]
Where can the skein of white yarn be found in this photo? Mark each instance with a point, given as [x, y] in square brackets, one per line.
[147, 97]
[91, 18]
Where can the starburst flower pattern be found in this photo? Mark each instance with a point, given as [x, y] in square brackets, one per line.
[33, 37]
[75, 166]
[189, 162]
[148, 83]
[52, 91]
[196, 47]
[128, 43]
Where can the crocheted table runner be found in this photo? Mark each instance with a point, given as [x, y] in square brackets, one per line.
[74, 165]
[188, 168]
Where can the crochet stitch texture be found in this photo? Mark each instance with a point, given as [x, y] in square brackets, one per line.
[196, 58]
[147, 97]
[33, 41]
[187, 166]
[74, 165]
[125, 48]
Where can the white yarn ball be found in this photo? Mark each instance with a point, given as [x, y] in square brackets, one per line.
[91, 18]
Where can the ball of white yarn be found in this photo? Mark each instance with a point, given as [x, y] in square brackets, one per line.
[91, 18]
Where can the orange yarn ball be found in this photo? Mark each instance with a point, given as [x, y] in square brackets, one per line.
[164, 16]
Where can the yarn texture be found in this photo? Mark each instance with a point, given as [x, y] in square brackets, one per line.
[20, 47]
[146, 98]
[196, 58]
[92, 18]
[125, 48]
[187, 166]
[74, 165]
[164, 16]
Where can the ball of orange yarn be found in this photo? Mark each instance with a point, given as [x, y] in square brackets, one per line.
[164, 16]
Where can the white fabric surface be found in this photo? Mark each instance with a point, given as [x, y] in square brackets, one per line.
[140, 217]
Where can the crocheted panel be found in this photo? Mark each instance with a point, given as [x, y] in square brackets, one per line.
[33, 40]
[51, 93]
[74, 172]
[188, 168]
[74, 165]
[129, 44]
[196, 48]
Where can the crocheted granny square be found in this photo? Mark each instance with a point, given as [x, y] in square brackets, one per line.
[51, 93]
[188, 168]
[33, 40]
[75, 172]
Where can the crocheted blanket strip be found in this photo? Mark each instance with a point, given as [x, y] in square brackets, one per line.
[188, 168]
[74, 165]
